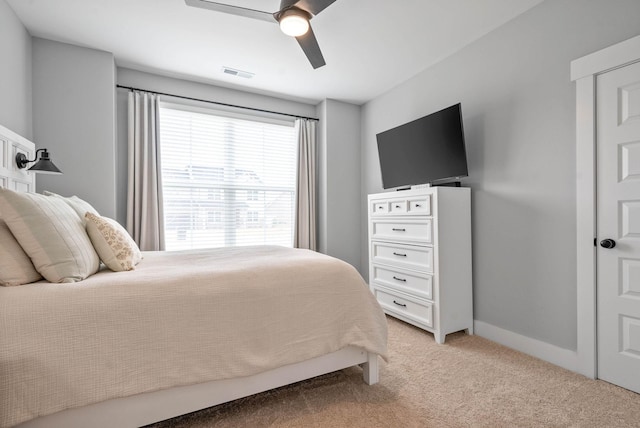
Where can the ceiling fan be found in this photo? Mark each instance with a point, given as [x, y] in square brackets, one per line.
[293, 17]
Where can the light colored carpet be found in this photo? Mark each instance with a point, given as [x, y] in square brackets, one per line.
[467, 382]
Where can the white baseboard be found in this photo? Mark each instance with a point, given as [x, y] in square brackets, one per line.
[553, 354]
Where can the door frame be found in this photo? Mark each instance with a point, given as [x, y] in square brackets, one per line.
[584, 72]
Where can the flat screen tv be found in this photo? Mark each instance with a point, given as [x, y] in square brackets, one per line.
[429, 150]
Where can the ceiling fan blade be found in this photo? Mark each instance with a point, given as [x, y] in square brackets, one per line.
[311, 49]
[233, 10]
[314, 7]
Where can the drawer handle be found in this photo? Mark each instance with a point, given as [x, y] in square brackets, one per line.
[400, 304]
[397, 229]
[397, 206]
[399, 279]
[418, 205]
[399, 254]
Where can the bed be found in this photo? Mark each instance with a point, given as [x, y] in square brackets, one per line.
[181, 332]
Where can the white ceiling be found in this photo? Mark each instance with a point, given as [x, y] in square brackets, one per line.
[370, 46]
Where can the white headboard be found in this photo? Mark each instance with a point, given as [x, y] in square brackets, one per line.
[10, 176]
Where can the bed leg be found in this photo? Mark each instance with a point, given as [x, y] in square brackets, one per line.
[370, 369]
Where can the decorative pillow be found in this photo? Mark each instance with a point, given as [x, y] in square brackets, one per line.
[52, 235]
[112, 242]
[79, 206]
[15, 266]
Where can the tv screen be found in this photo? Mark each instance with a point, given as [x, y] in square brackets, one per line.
[426, 150]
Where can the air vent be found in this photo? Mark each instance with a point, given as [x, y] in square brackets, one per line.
[239, 73]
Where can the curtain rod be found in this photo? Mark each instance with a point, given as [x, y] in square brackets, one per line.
[217, 103]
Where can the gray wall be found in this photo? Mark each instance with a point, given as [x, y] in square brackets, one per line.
[339, 181]
[15, 73]
[185, 88]
[519, 116]
[74, 117]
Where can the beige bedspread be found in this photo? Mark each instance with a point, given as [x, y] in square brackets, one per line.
[179, 318]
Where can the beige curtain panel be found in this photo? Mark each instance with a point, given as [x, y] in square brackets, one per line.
[145, 220]
[305, 230]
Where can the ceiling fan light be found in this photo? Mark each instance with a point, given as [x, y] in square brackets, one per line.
[294, 25]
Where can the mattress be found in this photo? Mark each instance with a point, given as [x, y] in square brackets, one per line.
[180, 318]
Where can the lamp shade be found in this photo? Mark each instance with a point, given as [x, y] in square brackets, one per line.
[294, 23]
[45, 166]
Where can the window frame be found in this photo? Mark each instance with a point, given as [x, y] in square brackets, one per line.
[237, 113]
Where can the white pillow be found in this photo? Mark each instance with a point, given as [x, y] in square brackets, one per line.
[15, 266]
[52, 235]
[80, 206]
[112, 242]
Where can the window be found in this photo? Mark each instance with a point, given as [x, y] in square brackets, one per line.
[227, 180]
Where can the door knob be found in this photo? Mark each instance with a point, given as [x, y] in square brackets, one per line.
[608, 243]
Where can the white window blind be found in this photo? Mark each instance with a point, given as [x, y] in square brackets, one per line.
[226, 181]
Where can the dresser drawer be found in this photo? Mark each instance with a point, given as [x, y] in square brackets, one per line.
[415, 283]
[421, 312]
[379, 207]
[402, 230]
[408, 256]
[399, 206]
[419, 206]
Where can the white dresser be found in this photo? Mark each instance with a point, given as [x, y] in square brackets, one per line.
[420, 257]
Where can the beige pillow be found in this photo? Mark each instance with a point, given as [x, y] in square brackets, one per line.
[112, 242]
[52, 235]
[15, 266]
[80, 206]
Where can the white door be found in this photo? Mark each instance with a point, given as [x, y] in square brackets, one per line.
[618, 214]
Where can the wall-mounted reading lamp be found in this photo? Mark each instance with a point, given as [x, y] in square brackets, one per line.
[43, 166]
